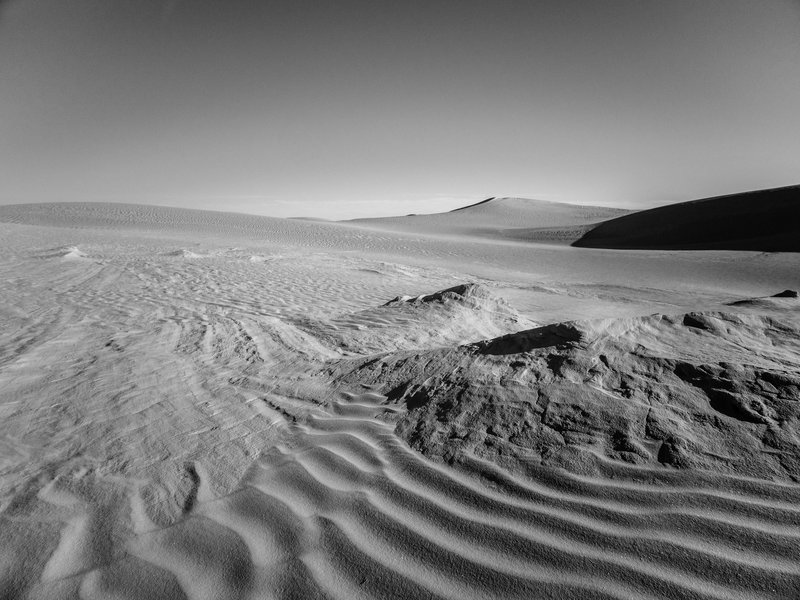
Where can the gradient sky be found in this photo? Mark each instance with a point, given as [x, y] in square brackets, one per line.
[344, 109]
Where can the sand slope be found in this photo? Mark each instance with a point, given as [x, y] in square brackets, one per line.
[198, 405]
[766, 220]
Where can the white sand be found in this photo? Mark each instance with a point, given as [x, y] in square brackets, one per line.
[209, 405]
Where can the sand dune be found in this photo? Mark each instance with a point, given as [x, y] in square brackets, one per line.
[503, 218]
[203, 405]
[765, 220]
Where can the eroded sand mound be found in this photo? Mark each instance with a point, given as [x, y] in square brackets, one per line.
[716, 391]
[765, 220]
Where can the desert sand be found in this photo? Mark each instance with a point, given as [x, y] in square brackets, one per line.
[209, 405]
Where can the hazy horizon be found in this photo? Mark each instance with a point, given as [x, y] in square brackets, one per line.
[373, 109]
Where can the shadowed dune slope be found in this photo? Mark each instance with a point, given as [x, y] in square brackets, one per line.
[763, 220]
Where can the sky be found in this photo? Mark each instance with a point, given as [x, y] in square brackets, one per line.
[349, 109]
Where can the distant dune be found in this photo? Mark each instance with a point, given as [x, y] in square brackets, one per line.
[763, 220]
[495, 218]
[520, 219]
[119, 216]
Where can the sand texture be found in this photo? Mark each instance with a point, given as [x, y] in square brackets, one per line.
[207, 405]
